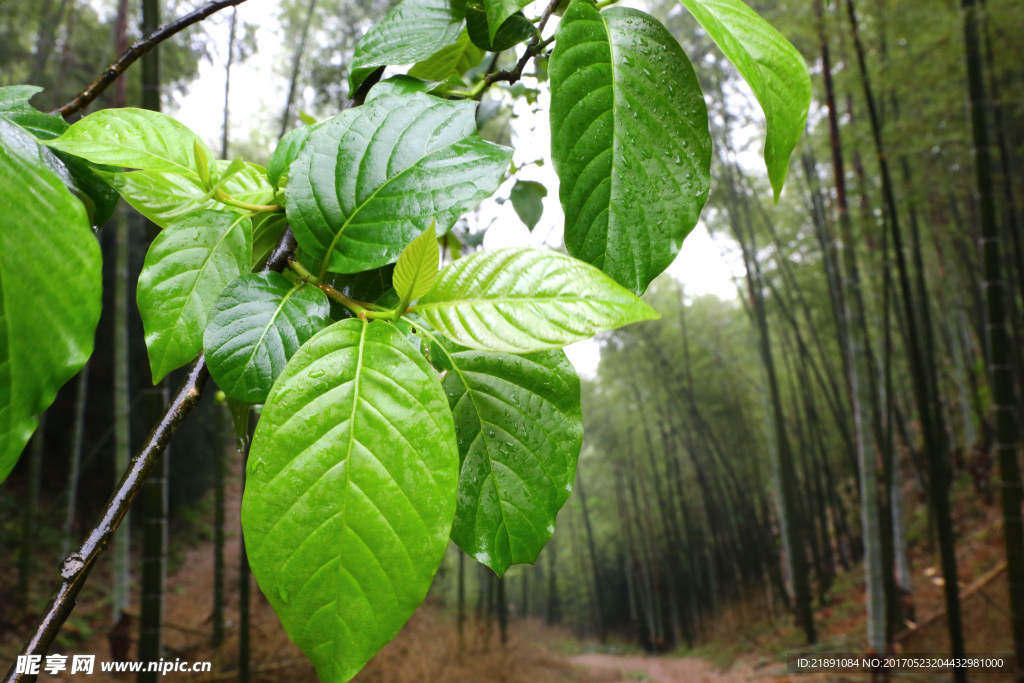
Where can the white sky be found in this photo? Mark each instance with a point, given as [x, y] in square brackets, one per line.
[704, 265]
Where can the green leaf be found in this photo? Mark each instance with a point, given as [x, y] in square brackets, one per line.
[347, 206]
[258, 322]
[522, 300]
[500, 10]
[87, 182]
[288, 151]
[416, 269]
[15, 107]
[133, 138]
[50, 287]
[187, 266]
[773, 68]
[267, 229]
[412, 31]
[514, 30]
[350, 492]
[451, 60]
[164, 197]
[520, 429]
[528, 200]
[629, 140]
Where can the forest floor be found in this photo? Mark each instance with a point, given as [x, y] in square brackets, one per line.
[745, 643]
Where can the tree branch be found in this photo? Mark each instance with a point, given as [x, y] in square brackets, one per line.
[535, 47]
[141, 47]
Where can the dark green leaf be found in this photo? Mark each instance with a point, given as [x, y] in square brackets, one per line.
[412, 31]
[516, 29]
[771, 66]
[520, 429]
[50, 287]
[350, 492]
[629, 140]
[102, 196]
[288, 151]
[528, 201]
[187, 266]
[522, 300]
[15, 107]
[451, 60]
[346, 205]
[267, 229]
[258, 322]
[498, 11]
[367, 286]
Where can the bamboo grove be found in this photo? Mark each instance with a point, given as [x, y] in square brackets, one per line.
[861, 392]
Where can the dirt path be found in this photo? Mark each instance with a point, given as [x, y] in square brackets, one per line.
[664, 669]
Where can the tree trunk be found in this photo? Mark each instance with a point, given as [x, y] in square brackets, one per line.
[461, 613]
[936, 445]
[240, 414]
[219, 471]
[286, 118]
[121, 555]
[154, 512]
[502, 612]
[999, 351]
[787, 471]
[554, 615]
[860, 384]
[227, 84]
[598, 587]
[29, 536]
[75, 459]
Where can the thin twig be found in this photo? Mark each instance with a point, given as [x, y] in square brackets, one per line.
[535, 47]
[141, 47]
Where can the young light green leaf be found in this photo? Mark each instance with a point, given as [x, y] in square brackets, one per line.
[187, 266]
[132, 138]
[412, 31]
[164, 197]
[202, 164]
[416, 269]
[629, 140]
[773, 68]
[348, 207]
[528, 201]
[350, 492]
[498, 11]
[520, 429]
[50, 287]
[258, 322]
[514, 30]
[522, 300]
[451, 60]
